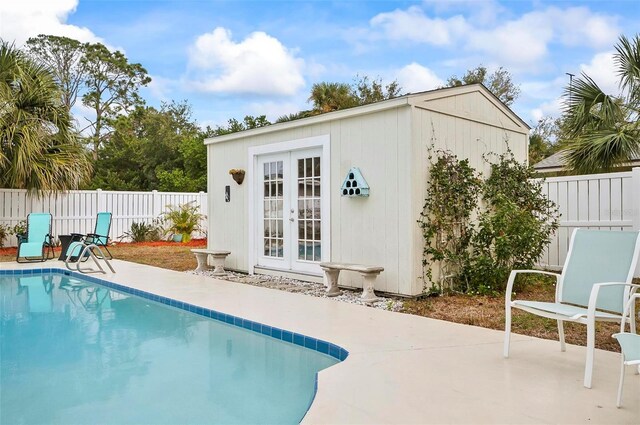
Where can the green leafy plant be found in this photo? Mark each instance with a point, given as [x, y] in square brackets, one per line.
[4, 232]
[510, 232]
[19, 229]
[183, 219]
[139, 232]
[515, 227]
[452, 196]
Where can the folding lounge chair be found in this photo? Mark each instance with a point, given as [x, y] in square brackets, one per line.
[36, 246]
[595, 284]
[99, 237]
[630, 345]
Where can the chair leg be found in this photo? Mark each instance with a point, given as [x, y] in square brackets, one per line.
[621, 384]
[563, 346]
[591, 348]
[507, 331]
[108, 252]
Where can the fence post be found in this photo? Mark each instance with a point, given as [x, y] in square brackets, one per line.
[635, 204]
[635, 197]
[101, 203]
[155, 200]
[202, 200]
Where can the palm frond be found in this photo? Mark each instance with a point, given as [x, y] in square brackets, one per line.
[602, 150]
[627, 58]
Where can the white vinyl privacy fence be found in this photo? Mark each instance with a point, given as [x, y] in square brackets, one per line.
[75, 211]
[595, 201]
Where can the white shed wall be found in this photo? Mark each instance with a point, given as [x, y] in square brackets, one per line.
[374, 230]
[468, 125]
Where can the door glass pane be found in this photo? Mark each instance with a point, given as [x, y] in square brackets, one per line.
[308, 172]
[272, 212]
[309, 201]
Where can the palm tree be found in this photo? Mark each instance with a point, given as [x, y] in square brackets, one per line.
[604, 130]
[327, 97]
[39, 150]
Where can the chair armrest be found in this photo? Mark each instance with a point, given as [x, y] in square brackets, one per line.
[95, 235]
[595, 291]
[512, 279]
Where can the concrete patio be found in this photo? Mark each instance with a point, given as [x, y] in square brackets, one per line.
[410, 369]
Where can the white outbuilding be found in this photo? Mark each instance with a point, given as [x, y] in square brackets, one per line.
[347, 186]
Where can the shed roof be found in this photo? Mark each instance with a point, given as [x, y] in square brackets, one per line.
[556, 162]
[412, 99]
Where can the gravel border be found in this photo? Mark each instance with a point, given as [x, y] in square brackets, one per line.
[306, 288]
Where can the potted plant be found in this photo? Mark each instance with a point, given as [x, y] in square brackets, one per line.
[237, 174]
[183, 220]
[20, 230]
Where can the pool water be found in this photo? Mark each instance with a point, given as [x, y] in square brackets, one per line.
[75, 353]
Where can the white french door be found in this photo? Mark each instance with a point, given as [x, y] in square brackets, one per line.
[289, 213]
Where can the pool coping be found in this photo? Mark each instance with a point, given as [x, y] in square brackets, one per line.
[315, 344]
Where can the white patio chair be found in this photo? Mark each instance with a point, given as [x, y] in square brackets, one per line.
[595, 285]
[630, 345]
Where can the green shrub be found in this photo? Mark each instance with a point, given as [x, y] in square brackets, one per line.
[183, 219]
[19, 229]
[140, 232]
[452, 196]
[511, 231]
[4, 232]
[515, 227]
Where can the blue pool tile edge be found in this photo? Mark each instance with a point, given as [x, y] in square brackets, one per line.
[311, 343]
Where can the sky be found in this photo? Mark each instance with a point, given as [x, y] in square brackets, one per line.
[229, 59]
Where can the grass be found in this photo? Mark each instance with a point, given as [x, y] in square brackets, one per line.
[488, 312]
[483, 311]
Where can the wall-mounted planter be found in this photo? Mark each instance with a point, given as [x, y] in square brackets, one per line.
[354, 184]
[237, 174]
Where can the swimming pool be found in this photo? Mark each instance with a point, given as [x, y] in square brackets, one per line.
[76, 352]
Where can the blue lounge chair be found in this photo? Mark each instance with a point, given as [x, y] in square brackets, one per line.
[36, 245]
[630, 345]
[595, 285]
[99, 237]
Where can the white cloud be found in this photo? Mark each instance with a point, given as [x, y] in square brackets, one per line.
[544, 89]
[161, 87]
[415, 78]
[20, 20]
[515, 42]
[483, 12]
[602, 70]
[579, 26]
[412, 24]
[519, 42]
[259, 64]
[552, 108]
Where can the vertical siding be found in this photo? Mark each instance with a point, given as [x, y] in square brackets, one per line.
[363, 230]
[390, 148]
[476, 131]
